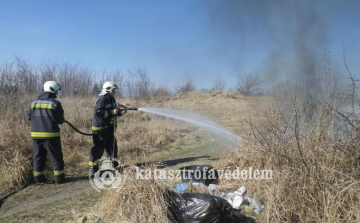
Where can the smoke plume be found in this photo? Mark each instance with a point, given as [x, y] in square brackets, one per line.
[291, 34]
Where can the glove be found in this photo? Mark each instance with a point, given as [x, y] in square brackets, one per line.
[115, 111]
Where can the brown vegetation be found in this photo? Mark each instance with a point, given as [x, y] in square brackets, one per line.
[312, 151]
[311, 144]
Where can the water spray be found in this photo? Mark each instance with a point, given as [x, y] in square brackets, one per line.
[217, 131]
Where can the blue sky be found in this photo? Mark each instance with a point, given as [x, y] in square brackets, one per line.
[202, 39]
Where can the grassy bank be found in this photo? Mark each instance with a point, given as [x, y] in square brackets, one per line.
[313, 154]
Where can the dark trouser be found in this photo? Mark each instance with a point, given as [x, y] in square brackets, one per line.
[51, 146]
[104, 140]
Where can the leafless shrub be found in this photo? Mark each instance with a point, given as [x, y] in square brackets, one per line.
[118, 78]
[186, 85]
[143, 85]
[138, 85]
[10, 88]
[27, 78]
[161, 93]
[218, 85]
[248, 84]
[75, 78]
[130, 81]
[48, 72]
[96, 89]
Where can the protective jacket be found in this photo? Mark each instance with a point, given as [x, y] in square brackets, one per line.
[46, 113]
[103, 117]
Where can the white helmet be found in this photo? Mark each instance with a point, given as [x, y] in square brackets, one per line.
[108, 86]
[51, 86]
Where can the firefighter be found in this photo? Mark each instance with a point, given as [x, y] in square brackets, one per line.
[103, 126]
[45, 114]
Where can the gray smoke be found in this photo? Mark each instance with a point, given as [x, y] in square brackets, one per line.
[292, 32]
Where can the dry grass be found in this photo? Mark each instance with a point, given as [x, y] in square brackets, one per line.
[137, 135]
[315, 169]
[15, 149]
[136, 200]
[229, 109]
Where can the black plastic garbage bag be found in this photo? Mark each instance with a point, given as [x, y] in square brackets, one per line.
[199, 173]
[202, 208]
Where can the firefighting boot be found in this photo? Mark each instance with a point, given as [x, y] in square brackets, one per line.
[59, 176]
[59, 179]
[115, 164]
[93, 170]
[39, 179]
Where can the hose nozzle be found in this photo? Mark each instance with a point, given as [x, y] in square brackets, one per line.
[127, 108]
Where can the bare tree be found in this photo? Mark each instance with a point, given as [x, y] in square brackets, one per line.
[248, 84]
[10, 90]
[118, 78]
[138, 85]
[75, 79]
[143, 84]
[82, 81]
[48, 72]
[218, 85]
[130, 85]
[186, 85]
[26, 79]
[95, 89]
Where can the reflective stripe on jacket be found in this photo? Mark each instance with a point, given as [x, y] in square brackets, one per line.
[45, 114]
[102, 112]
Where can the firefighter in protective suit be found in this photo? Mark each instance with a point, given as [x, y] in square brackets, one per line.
[45, 114]
[103, 126]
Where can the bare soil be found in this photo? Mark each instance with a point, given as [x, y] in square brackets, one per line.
[29, 200]
[34, 195]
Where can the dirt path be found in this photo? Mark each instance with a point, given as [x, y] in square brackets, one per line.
[33, 196]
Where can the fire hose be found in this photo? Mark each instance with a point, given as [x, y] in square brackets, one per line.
[90, 134]
[83, 133]
[2, 199]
